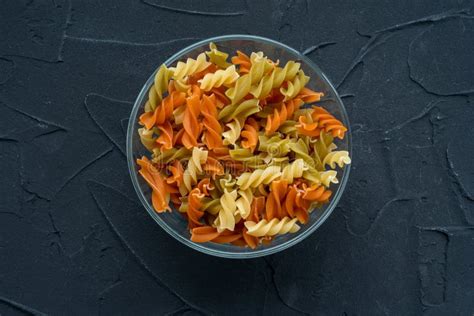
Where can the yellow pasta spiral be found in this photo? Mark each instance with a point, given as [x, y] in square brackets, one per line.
[260, 66]
[338, 157]
[254, 179]
[322, 146]
[294, 170]
[160, 85]
[243, 203]
[181, 85]
[199, 156]
[217, 57]
[147, 139]
[242, 110]
[219, 78]
[275, 79]
[233, 134]
[226, 219]
[295, 86]
[324, 177]
[191, 66]
[240, 89]
[273, 227]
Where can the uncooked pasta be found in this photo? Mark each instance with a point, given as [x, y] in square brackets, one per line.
[238, 146]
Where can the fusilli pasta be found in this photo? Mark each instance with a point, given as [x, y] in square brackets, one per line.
[236, 148]
[272, 227]
[199, 157]
[257, 177]
[191, 66]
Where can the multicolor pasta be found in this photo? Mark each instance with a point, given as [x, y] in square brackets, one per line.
[237, 147]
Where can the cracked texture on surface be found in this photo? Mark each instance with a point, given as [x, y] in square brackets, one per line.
[73, 235]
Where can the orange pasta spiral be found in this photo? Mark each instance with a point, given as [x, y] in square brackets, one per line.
[309, 96]
[213, 167]
[295, 205]
[191, 125]
[208, 233]
[328, 122]
[273, 206]
[321, 120]
[280, 116]
[205, 186]
[194, 204]
[163, 111]
[316, 193]
[166, 136]
[243, 61]
[249, 134]
[177, 171]
[307, 128]
[213, 129]
[160, 192]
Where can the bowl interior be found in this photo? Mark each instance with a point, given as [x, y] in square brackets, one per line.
[173, 222]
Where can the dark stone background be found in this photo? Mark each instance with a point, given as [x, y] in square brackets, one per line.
[75, 240]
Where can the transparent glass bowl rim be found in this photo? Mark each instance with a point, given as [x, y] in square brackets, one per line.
[202, 247]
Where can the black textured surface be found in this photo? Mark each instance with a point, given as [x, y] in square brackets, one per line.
[75, 240]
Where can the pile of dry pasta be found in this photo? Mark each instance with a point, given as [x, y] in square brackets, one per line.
[237, 146]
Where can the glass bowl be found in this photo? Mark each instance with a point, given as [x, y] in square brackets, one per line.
[173, 223]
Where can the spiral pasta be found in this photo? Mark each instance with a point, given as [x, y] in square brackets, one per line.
[219, 78]
[243, 203]
[198, 158]
[240, 89]
[338, 157]
[273, 207]
[160, 194]
[164, 157]
[236, 148]
[217, 57]
[243, 61]
[295, 206]
[240, 111]
[243, 85]
[272, 227]
[193, 210]
[147, 138]
[249, 134]
[212, 127]
[233, 134]
[191, 66]
[257, 177]
[191, 126]
[301, 150]
[328, 122]
[279, 116]
[163, 111]
[211, 205]
[260, 66]
[213, 167]
[225, 218]
[322, 146]
[295, 86]
[274, 146]
[165, 140]
[176, 178]
[160, 84]
[293, 170]
[321, 177]
[316, 193]
[310, 96]
[275, 79]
